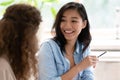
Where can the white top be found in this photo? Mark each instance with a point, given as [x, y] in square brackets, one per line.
[6, 72]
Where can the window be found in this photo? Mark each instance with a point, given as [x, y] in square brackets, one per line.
[104, 16]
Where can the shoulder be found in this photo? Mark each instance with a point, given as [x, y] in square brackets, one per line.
[87, 51]
[49, 47]
[49, 43]
[6, 70]
[3, 63]
[46, 46]
[81, 45]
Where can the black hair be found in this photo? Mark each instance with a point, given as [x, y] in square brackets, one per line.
[84, 37]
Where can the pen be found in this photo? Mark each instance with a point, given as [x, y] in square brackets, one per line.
[101, 54]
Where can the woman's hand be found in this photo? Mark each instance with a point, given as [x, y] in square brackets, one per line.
[87, 62]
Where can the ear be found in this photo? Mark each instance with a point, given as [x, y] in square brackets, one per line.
[84, 24]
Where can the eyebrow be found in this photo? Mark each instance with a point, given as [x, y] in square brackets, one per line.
[71, 17]
[74, 17]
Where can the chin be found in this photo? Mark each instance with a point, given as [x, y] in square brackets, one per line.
[70, 39]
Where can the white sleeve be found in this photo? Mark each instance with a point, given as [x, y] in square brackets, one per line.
[6, 72]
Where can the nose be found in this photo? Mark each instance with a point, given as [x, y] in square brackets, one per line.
[67, 25]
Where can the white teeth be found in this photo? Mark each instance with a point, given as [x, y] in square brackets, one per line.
[68, 31]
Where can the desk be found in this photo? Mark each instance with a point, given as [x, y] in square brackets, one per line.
[108, 67]
[107, 70]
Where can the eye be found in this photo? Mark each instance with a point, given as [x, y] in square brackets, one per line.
[62, 20]
[74, 21]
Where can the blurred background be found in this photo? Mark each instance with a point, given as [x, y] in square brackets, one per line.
[104, 17]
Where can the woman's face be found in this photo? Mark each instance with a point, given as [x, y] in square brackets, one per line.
[71, 24]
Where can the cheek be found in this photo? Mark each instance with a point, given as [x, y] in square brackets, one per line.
[61, 26]
[78, 29]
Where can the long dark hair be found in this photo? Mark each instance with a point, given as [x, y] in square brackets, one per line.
[18, 40]
[84, 37]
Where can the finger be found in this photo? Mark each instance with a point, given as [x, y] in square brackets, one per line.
[94, 66]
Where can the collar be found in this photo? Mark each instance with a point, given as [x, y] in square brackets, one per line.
[78, 48]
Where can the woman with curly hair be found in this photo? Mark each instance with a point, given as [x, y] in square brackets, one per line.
[18, 42]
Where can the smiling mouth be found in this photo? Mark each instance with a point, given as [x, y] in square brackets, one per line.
[68, 32]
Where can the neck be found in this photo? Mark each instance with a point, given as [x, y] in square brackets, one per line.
[69, 48]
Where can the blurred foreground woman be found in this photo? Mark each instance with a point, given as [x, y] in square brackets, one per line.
[18, 42]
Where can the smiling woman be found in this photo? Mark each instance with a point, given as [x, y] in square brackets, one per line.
[66, 55]
[72, 24]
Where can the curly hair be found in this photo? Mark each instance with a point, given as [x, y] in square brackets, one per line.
[18, 40]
